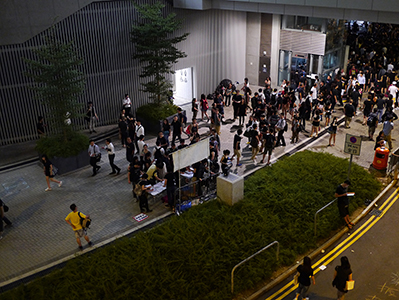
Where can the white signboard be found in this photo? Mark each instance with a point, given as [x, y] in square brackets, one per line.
[191, 154]
[353, 144]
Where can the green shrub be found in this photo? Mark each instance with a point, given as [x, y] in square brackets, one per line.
[154, 112]
[191, 257]
[58, 146]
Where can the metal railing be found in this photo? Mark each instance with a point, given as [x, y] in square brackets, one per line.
[317, 212]
[195, 189]
[248, 258]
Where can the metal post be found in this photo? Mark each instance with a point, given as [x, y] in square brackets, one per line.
[349, 169]
[248, 258]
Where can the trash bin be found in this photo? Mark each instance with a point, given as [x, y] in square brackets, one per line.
[381, 156]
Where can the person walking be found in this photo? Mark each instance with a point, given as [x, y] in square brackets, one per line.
[237, 146]
[333, 131]
[48, 172]
[342, 274]
[305, 275]
[372, 123]
[3, 218]
[281, 127]
[204, 107]
[111, 157]
[350, 112]
[92, 115]
[73, 219]
[95, 156]
[254, 142]
[387, 129]
[194, 108]
[343, 202]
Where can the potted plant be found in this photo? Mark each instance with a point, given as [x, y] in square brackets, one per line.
[58, 82]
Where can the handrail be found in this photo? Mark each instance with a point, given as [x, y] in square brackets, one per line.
[315, 215]
[248, 258]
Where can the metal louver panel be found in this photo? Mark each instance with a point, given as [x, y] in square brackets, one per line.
[302, 42]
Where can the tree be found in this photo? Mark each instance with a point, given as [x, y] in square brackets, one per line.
[153, 35]
[58, 84]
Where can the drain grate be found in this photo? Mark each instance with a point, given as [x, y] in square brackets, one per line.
[376, 212]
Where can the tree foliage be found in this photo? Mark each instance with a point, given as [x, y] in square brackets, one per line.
[155, 40]
[58, 82]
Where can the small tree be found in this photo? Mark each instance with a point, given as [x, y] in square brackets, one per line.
[58, 84]
[155, 47]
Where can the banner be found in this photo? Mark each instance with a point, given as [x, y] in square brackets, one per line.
[191, 154]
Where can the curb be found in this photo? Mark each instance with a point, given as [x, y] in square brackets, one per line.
[316, 252]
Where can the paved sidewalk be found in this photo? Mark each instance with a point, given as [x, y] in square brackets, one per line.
[41, 236]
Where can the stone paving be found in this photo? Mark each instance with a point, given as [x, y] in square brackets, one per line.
[40, 235]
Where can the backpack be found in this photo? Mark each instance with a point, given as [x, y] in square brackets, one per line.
[85, 222]
[371, 120]
[137, 189]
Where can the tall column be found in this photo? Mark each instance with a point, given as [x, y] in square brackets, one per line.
[275, 48]
[310, 64]
[289, 65]
[252, 48]
[320, 66]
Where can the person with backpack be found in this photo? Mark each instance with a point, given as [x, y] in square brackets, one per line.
[74, 219]
[372, 123]
[49, 172]
[95, 156]
[387, 129]
[281, 127]
[305, 274]
[342, 274]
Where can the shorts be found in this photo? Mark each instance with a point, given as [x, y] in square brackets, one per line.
[366, 113]
[237, 153]
[80, 233]
[268, 150]
[343, 210]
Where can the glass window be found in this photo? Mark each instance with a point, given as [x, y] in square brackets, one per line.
[303, 23]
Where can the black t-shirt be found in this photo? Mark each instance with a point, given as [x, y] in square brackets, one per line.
[254, 140]
[165, 127]
[344, 199]
[47, 166]
[367, 105]
[176, 126]
[237, 139]
[270, 139]
[170, 179]
[304, 275]
[349, 110]
[380, 103]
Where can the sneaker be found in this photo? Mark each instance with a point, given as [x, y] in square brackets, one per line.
[80, 248]
[48, 189]
[255, 163]
[59, 185]
[239, 165]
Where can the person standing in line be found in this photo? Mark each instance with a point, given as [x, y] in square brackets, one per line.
[342, 274]
[92, 115]
[204, 107]
[177, 129]
[254, 142]
[305, 274]
[3, 218]
[48, 172]
[127, 105]
[166, 129]
[123, 131]
[387, 129]
[145, 187]
[94, 153]
[237, 146]
[138, 132]
[170, 184]
[341, 194]
[194, 107]
[111, 156]
[350, 112]
[129, 149]
[236, 104]
[281, 126]
[73, 219]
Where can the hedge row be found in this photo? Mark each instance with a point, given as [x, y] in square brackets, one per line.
[191, 257]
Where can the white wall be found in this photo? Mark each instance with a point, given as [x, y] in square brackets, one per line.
[215, 47]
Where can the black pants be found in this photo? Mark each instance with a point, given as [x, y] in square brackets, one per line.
[93, 163]
[171, 195]
[143, 202]
[123, 138]
[280, 137]
[111, 158]
[241, 120]
[235, 110]
[177, 134]
[7, 221]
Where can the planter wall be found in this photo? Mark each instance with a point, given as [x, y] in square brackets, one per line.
[155, 127]
[68, 164]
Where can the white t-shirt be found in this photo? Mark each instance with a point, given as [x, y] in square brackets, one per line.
[361, 79]
[393, 90]
[314, 93]
[126, 102]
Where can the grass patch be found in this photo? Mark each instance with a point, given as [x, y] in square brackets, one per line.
[191, 257]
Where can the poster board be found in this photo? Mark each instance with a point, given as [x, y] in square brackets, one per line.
[190, 154]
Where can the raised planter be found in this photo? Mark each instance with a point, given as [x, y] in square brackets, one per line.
[155, 127]
[68, 164]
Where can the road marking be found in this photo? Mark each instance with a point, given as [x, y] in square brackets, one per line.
[341, 248]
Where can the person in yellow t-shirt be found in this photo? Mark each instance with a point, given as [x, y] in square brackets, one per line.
[73, 219]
